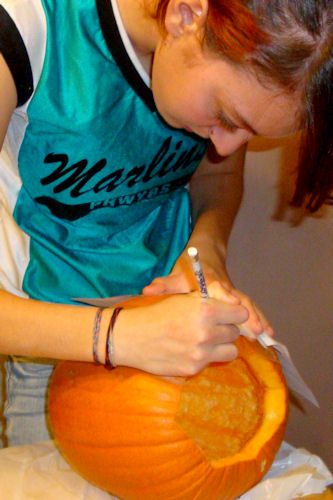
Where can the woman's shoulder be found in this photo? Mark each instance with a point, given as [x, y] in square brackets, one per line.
[23, 42]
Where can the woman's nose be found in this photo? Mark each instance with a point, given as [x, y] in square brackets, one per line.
[227, 142]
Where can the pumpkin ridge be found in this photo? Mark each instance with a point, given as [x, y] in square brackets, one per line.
[128, 445]
[155, 479]
[146, 491]
[185, 491]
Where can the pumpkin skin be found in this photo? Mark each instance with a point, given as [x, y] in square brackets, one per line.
[129, 432]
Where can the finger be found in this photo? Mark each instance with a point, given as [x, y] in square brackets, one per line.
[265, 323]
[224, 334]
[244, 329]
[252, 326]
[226, 314]
[174, 283]
[256, 324]
[219, 292]
[257, 321]
[224, 352]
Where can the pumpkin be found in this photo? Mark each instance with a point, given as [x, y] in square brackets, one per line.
[146, 437]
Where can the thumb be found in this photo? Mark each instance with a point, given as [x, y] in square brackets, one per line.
[156, 287]
[173, 283]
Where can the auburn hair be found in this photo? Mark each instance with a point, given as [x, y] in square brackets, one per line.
[288, 45]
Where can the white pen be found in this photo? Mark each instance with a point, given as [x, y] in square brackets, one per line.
[243, 329]
[194, 256]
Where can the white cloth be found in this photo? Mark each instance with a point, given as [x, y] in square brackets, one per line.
[36, 472]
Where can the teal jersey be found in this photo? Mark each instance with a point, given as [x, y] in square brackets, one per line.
[103, 195]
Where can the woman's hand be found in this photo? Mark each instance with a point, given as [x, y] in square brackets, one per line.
[178, 335]
[182, 280]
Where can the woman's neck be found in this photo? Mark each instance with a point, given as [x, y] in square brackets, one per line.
[141, 28]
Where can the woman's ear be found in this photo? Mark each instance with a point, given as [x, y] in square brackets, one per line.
[185, 16]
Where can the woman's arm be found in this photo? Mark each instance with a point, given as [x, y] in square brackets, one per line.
[216, 191]
[8, 98]
[29, 327]
[33, 328]
[177, 336]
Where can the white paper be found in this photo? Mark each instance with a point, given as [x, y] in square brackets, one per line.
[38, 472]
[293, 377]
[104, 302]
[294, 473]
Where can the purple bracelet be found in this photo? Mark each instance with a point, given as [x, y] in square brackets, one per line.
[96, 329]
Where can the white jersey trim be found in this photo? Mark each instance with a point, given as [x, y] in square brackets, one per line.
[29, 17]
[128, 44]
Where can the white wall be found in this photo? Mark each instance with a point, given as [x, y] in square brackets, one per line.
[285, 263]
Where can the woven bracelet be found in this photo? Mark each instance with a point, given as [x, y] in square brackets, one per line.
[109, 354]
[97, 325]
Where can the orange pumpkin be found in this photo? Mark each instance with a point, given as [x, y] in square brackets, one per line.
[145, 437]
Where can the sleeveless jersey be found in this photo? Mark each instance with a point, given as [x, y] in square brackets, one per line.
[93, 194]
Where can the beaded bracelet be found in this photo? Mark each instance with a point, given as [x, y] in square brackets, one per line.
[97, 324]
[109, 361]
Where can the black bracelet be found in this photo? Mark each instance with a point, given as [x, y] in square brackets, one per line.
[109, 354]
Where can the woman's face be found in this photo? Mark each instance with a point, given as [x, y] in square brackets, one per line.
[215, 99]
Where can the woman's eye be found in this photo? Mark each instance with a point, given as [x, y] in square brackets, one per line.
[226, 123]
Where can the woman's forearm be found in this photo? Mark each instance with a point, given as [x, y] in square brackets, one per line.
[33, 328]
[176, 336]
[216, 193]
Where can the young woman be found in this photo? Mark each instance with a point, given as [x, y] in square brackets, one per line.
[124, 127]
